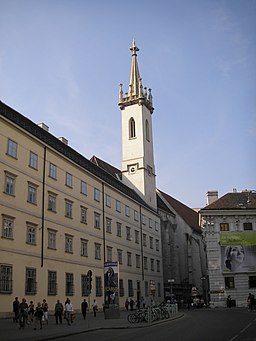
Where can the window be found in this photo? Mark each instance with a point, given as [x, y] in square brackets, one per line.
[52, 283]
[30, 286]
[108, 225]
[130, 288]
[144, 239]
[84, 285]
[157, 245]
[109, 254]
[83, 187]
[68, 208]
[129, 259]
[69, 284]
[68, 243]
[83, 215]
[229, 283]
[151, 242]
[120, 256]
[159, 289]
[224, 226]
[128, 233]
[98, 283]
[146, 289]
[96, 194]
[143, 218]
[8, 224]
[156, 226]
[31, 233]
[137, 261]
[158, 265]
[33, 160]
[150, 223]
[84, 247]
[96, 220]
[132, 131]
[97, 251]
[145, 263]
[136, 215]
[252, 281]
[127, 211]
[121, 287]
[69, 180]
[52, 171]
[52, 199]
[247, 226]
[12, 148]
[51, 239]
[118, 206]
[32, 193]
[119, 229]
[108, 200]
[137, 240]
[152, 264]
[147, 131]
[9, 186]
[5, 279]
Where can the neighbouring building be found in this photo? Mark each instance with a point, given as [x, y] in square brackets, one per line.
[229, 225]
[63, 215]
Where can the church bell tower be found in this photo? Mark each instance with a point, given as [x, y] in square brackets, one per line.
[138, 168]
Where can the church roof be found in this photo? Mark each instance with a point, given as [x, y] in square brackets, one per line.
[232, 201]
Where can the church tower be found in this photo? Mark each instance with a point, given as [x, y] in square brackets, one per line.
[138, 168]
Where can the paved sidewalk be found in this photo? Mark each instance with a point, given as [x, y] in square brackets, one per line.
[10, 331]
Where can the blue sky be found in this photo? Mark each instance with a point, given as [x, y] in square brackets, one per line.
[61, 63]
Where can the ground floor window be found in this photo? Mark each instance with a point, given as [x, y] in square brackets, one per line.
[52, 283]
[130, 288]
[69, 284]
[6, 279]
[30, 288]
[98, 282]
[252, 281]
[229, 282]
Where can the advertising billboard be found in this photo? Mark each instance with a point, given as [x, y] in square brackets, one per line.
[111, 283]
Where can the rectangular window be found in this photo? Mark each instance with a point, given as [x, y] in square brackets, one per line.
[145, 263]
[247, 226]
[33, 160]
[129, 259]
[52, 199]
[128, 233]
[69, 180]
[30, 286]
[137, 237]
[8, 225]
[136, 215]
[158, 265]
[119, 229]
[69, 284]
[152, 264]
[109, 254]
[31, 233]
[97, 251]
[51, 239]
[83, 215]
[52, 171]
[96, 194]
[252, 282]
[127, 211]
[146, 289]
[108, 225]
[159, 289]
[108, 200]
[157, 245]
[12, 148]
[52, 283]
[83, 187]
[5, 279]
[144, 238]
[84, 285]
[96, 220]
[224, 226]
[156, 226]
[150, 223]
[68, 209]
[121, 287]
[32, 193]
[98, 283]
[120, 256]
[151, 242]
[84, 247]
[229, 282]
[143, 218]
[9, 185]
[118, 206]
[68, 243]
[137, 261]
[130, 288]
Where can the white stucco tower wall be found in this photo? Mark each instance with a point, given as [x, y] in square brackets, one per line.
[138, 168]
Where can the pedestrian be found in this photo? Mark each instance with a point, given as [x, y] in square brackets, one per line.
[31, 311]
[23, 313]
[38, 316]
[58, 311]
[84, 306]
[45, 310]
[229, 301]
[131, 303]
[94, 307]
[127, 304]
[15, 309]
[68, 311]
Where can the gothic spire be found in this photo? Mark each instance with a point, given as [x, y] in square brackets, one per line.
[135, 74]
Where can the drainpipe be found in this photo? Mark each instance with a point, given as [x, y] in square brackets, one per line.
[43, 204]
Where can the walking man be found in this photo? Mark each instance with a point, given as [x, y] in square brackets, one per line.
[84, 306]
[58, 312]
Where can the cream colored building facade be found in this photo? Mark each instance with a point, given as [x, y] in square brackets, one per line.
[62, 215]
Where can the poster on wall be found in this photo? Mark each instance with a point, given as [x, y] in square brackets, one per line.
[111, 283]
[238, 251]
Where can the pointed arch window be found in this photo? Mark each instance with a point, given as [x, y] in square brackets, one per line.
[132, 130]
[147, 131]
